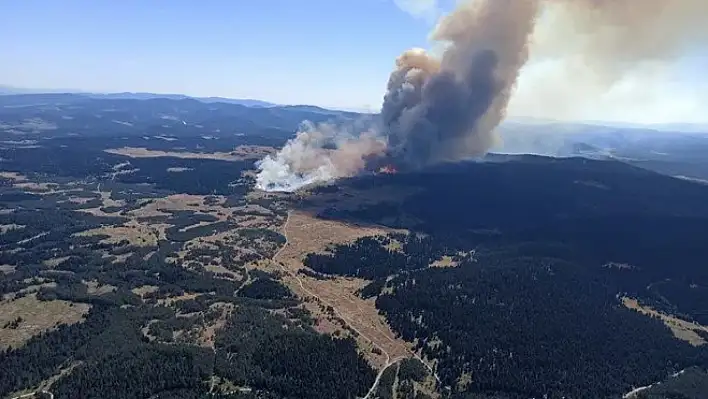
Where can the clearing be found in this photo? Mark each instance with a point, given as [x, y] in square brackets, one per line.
[238, 154]
[34, 317]
[682, 329]
[137, 234]
[334, 301]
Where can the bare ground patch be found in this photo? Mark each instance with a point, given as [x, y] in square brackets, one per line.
[208, 333]
[94, 288]
[109, 202]
[334, 301]
[16, 177]
[40, 187]
[221, 270]
[79, 200]
[136, 233]
[253, 151]
[142, 230]
[307, 234]
[4, 228]
[121, 258]
[145, 289]
[35, 284]
[682, 329]
[182, 202]
[54, 262]
[23, 182]
[97, 212]
[36, 316]
[238, 154]
[7, 269]
[171, 300]
[619, 265]
[445, 261]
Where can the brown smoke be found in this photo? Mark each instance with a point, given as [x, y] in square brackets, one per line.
[318, 153]
[592, 47]
[436, 110]
[351, 156]
[447, 108]
[613, 34]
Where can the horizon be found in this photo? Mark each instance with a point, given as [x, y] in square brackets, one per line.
[675, 127]
[335, 56]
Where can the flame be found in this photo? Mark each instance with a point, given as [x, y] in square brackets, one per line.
[389, 170]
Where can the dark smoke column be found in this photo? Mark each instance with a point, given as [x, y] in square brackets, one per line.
[447, 109]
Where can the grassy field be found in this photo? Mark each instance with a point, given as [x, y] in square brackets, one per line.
[35, 317]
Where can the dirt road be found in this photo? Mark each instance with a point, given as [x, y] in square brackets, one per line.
[389, 361]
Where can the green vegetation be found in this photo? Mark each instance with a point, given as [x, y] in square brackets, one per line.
[269, 353]
[541, 264]
[691, 383]
[157, 308]
[544, 250]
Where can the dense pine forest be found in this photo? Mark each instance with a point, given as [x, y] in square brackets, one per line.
[171, 315]
[539, 255]
[512, 276]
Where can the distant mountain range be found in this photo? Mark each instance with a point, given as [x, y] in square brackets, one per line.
[10, 90]
[565, 126]
[149, 96]
[574, 126]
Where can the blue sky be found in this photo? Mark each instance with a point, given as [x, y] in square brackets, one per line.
[325, 52]
[335, 53]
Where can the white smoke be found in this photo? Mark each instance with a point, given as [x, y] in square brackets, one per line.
[317, 153]
[435, 109]
[448, 107]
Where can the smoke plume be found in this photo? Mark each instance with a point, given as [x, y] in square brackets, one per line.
[447, 108]
[611, 57]
[316, 154]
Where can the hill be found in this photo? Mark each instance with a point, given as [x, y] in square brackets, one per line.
[521, 266]
[130, 114]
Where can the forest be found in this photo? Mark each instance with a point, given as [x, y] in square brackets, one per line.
[197, 176]
[166, 316]
[74, 116]
[511, 278]
[691, 383]
[109, 357]
[517, 320]
[255, 350]
[541, 253]
[593, 213]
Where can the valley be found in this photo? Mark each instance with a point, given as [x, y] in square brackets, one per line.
[135, 266]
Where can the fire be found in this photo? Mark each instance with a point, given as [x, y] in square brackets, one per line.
[389, 169]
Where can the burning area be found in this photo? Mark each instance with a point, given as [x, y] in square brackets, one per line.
[388, 170]
[441, 109]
